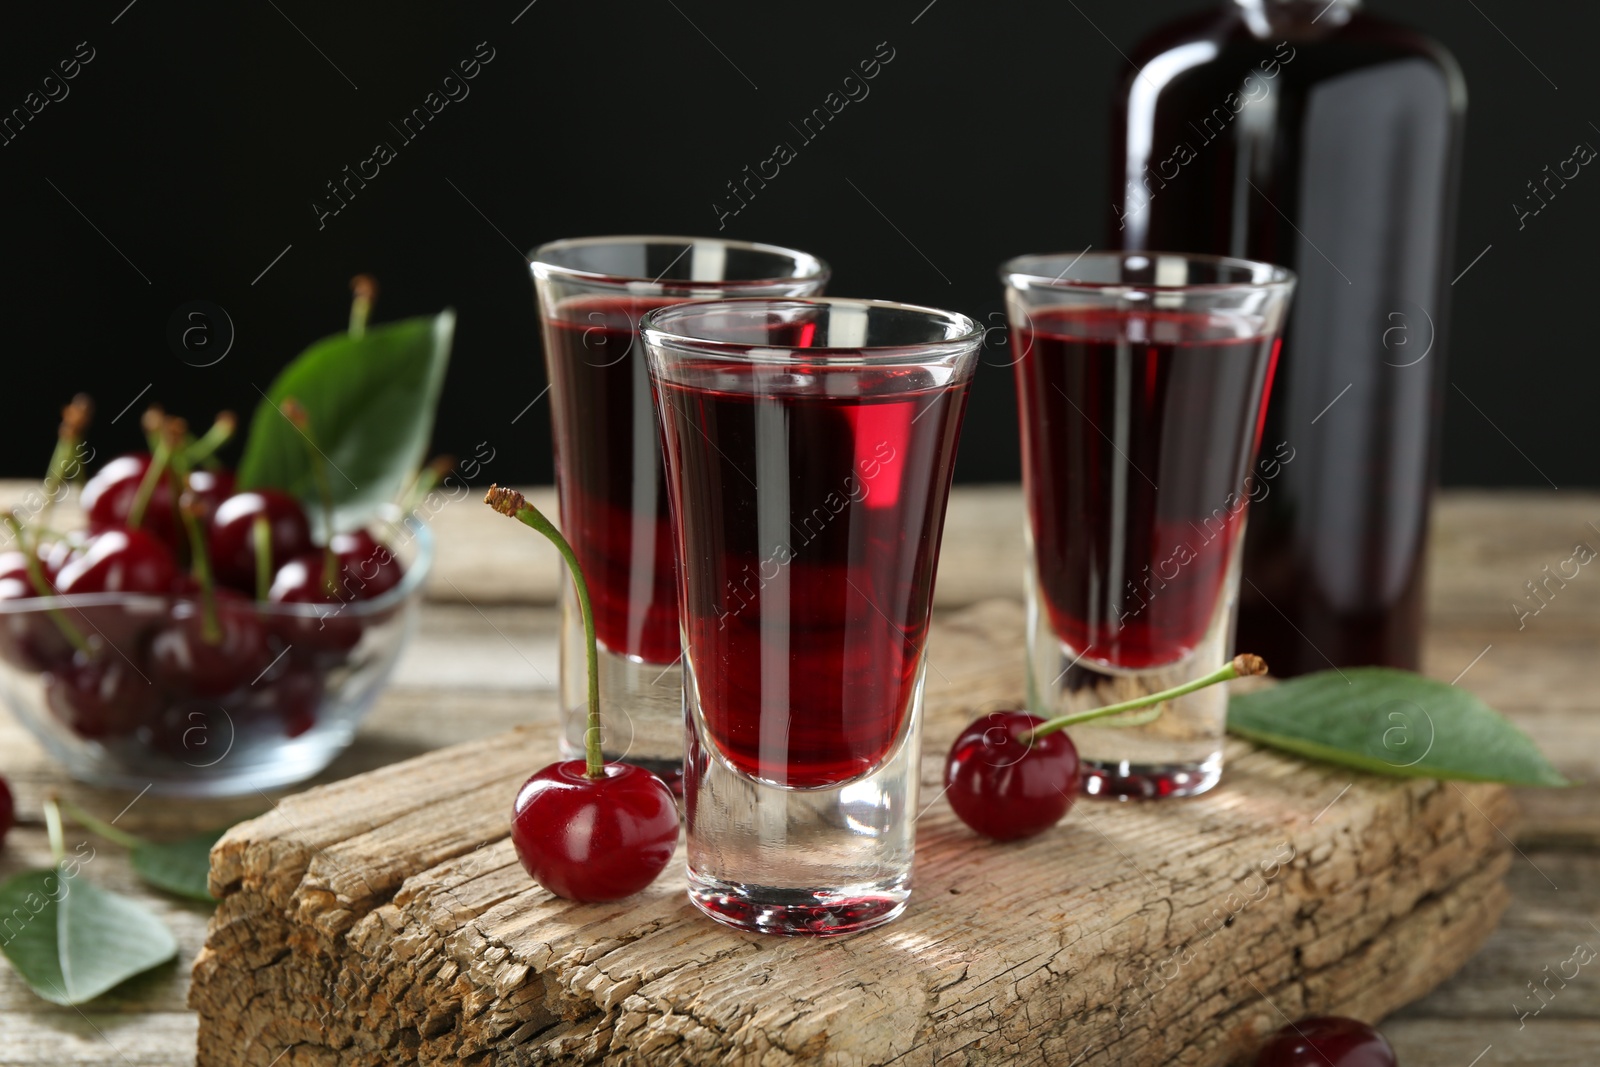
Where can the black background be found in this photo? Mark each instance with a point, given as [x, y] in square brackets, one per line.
[197, 139]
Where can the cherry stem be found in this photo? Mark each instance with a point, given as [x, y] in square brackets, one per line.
[512, 503]
[160, 456]
[104, 829]
[210, 625]
[74, 423]
[52, 822]
[261, 537]
[189, 513]
[300, 419]
[203, 449]
[41, 584]
[425, 480]
[365, 288]
[1244, 665]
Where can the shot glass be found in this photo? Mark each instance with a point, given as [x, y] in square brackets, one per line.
[809, 446]
[1142, 380]
[592, 291]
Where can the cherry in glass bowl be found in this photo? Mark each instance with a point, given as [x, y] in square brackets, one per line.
[155, 705]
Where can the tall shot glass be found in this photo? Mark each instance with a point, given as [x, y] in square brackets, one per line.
[809, 445]
[1142, 380]
[592, 292]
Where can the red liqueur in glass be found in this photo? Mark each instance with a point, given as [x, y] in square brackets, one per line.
[805, 611]
[613, 490]
[1136, 486]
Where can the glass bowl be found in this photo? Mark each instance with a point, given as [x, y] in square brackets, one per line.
[114, 721]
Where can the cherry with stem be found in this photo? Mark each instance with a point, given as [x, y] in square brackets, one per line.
[1011, 775]
[586, 829]
[217, 652]
[154, 423]
[300, 419]
[514, 504]
[42, 586]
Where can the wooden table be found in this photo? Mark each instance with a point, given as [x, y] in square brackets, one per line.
[484, 661]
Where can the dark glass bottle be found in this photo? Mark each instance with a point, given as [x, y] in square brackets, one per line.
[1315, 135]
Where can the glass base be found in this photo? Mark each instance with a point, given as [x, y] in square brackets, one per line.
[776, 910]
[1145, 781]
[816, 861]
[1172, 750]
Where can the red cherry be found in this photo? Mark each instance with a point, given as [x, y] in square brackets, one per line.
[100, 696]
[108, 499]
[367, 567]
[300, 582]
[55, 555]
[8, 811]
[1327, 1041]
[210, 488]
[594, 839]
[198, 732]
[183, 661]
[296, 697]
[233, 547]
[14, 568]
[29, 638]
[1005, 788]
[120, 561]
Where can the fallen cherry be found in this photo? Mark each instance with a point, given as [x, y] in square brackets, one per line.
[8, 811]
[594, 839]
[1011, 775]
[1006, 788]
[585, 829]
[1327, 1041]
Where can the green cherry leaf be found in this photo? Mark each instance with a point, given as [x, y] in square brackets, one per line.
[371, 402]
[180, 867]
[1391, 722]
[70, 941]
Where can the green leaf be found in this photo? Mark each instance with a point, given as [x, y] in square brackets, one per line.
[1391, 722]
[371, 402]
[71, 941]
[179, 867]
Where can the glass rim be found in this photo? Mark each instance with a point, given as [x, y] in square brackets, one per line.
[655, 329]
[810, 268]
[1014, 273]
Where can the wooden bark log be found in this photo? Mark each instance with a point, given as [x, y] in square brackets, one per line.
[385, 920]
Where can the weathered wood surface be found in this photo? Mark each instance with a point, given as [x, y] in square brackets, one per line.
[385, 919]
[1486, 546]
